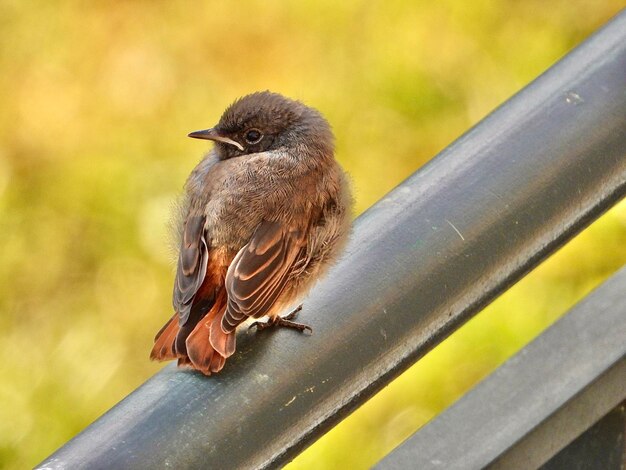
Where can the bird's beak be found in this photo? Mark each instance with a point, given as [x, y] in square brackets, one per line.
[212, 134]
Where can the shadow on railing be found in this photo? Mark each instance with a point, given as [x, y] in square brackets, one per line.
[423, 260]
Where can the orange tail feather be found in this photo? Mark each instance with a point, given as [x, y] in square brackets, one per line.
[223, 343]
[206, 355]
[164, 349]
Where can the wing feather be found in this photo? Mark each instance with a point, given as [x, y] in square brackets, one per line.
[192, 265]
[258, 273]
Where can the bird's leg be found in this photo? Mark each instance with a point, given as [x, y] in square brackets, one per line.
[291, 315]
[284, 321]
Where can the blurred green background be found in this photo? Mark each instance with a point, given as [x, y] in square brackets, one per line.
[97, 98]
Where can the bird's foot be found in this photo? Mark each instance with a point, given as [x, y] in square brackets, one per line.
[301, 327]
[285, 321]
[261, 325]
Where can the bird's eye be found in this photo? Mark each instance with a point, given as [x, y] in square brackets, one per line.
[253, 136]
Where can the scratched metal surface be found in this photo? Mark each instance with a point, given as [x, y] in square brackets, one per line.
[421, 262]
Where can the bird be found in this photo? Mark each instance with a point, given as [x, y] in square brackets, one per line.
[263, 216]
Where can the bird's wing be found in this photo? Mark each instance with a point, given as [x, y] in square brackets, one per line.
[192, 264]
[257, 275]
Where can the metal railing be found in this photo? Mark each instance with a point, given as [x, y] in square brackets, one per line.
[422, 261]
[540, 400]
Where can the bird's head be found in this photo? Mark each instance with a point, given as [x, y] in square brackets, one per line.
[266, 121]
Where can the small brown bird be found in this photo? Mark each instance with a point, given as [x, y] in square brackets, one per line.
[264, 216]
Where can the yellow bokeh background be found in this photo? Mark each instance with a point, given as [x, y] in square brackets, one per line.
[97, 98]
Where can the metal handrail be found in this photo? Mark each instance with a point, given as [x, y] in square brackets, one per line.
[423, 260]
[537, 402]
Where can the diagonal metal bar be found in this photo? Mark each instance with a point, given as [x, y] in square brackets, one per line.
[539, 401]
[603, 445]
[421, 262]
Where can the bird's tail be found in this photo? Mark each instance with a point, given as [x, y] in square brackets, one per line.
[208, 345]
[164, 348]
[205, 348]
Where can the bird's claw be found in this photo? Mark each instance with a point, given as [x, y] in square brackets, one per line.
[285, 321]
